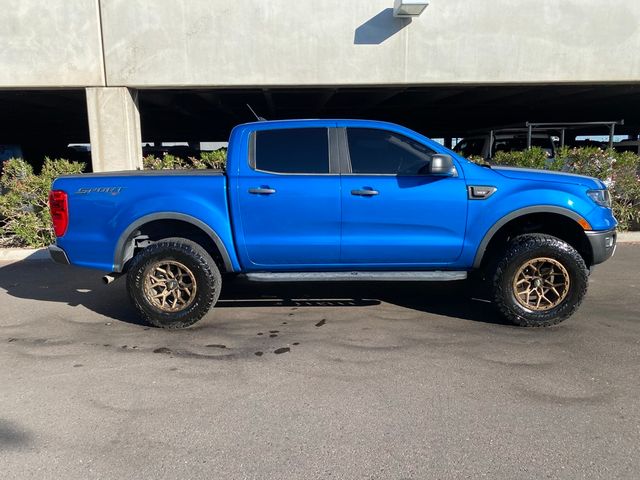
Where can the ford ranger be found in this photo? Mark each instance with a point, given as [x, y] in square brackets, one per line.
[336, 200]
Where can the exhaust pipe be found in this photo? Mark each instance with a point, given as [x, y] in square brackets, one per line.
[111, 277]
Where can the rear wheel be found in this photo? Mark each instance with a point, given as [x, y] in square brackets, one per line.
[541, 281]
[173, 283]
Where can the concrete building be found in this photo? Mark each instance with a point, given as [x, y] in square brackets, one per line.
[119, 72]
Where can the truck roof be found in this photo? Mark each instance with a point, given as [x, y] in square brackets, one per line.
[307, 122]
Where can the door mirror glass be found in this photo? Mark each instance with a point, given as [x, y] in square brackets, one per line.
[441, 164]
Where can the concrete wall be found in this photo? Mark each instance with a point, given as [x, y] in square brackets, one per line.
[294, 42]
[50, 43]
[170, 43]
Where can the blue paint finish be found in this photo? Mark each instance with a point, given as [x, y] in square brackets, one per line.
[299, 225]
[96, 220]
[313, 222]
[392, 227]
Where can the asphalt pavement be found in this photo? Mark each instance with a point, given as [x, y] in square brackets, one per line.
[353, 381]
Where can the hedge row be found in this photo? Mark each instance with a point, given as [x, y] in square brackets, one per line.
[24, 195]
[25, 220]
[24, 209]
[620, 171]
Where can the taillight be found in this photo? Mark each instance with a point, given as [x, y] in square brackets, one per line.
[59, 207]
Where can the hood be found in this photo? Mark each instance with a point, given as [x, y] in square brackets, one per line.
[535, 175]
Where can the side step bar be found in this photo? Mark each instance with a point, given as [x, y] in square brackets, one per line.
[431, 276]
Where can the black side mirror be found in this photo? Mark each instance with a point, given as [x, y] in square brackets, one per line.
[441, 164]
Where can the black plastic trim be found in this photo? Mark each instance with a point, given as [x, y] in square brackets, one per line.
[120, 254]
[343, 148]
[472, 195]
[334, 151]
[149, 173]
[366, 276]
[58, 255]
[252, 150]
[512, 216]
[599, 249]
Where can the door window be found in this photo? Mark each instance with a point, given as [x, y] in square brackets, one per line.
[383, 152]
[470, 147]
[292, 150]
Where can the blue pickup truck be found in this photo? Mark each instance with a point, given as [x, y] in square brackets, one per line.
[336, 200]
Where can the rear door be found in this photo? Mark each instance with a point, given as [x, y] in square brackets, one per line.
[394, 213]
[289, 201]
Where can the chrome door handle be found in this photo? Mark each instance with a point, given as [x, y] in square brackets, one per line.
[365, 192]
[262, 191]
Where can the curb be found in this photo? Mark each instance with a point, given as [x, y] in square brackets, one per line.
[628, 237]
[24, 254]
[8, 255]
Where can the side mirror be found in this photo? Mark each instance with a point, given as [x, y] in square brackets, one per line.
[441, 164]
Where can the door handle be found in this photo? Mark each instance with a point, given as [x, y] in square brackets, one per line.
[365, 192]
[262, 191]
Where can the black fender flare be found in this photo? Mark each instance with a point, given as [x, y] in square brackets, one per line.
[512, 216]
[122, 249]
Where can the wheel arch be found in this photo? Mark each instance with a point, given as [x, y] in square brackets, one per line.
[549, 215]
[125, 247]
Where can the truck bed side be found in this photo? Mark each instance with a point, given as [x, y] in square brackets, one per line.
[105, 209]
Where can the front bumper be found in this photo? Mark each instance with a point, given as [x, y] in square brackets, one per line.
[603, 244]
[58, 255]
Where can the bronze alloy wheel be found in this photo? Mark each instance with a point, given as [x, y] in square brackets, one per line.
[170, 286]
[541, 284]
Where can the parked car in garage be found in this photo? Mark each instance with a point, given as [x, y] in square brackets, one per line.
[487, 145]
[632, 146]
[8, 151]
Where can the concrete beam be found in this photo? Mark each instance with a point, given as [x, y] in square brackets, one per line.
[50, 43]
[114, 128]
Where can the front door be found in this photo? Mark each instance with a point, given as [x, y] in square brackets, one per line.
[394, 213]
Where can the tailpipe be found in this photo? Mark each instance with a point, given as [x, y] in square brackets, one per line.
[111, 277]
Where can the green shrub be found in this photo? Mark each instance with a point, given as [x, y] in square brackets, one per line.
[167, 162]
[535, 157]
[208, 160]
[24, 211]
[216, 159]
[618, 170]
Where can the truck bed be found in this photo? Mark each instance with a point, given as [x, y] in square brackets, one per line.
[103, 205]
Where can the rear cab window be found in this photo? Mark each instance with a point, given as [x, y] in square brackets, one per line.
[291, 151]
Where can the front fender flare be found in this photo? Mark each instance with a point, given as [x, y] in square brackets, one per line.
[512, 216]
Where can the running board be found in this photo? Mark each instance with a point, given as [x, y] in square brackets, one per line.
[431, 276]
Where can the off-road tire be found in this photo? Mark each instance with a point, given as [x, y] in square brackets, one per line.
[204, 274]
[526, 248]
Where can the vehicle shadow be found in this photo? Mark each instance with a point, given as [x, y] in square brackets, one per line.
[50, 282]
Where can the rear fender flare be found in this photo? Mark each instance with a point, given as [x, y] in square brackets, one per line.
[123, 250]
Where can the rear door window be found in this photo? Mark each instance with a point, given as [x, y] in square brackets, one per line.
[292, 150]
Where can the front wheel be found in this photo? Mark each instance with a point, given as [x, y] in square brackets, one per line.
[173, 283]
[541, 281]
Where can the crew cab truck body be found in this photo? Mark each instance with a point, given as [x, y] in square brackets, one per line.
[312, 200]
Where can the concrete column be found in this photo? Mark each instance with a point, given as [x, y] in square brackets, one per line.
[114, 128]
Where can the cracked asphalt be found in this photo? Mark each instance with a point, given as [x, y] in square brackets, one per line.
[370, 381]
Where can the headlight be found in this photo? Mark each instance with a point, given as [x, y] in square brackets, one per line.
[601, 197]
